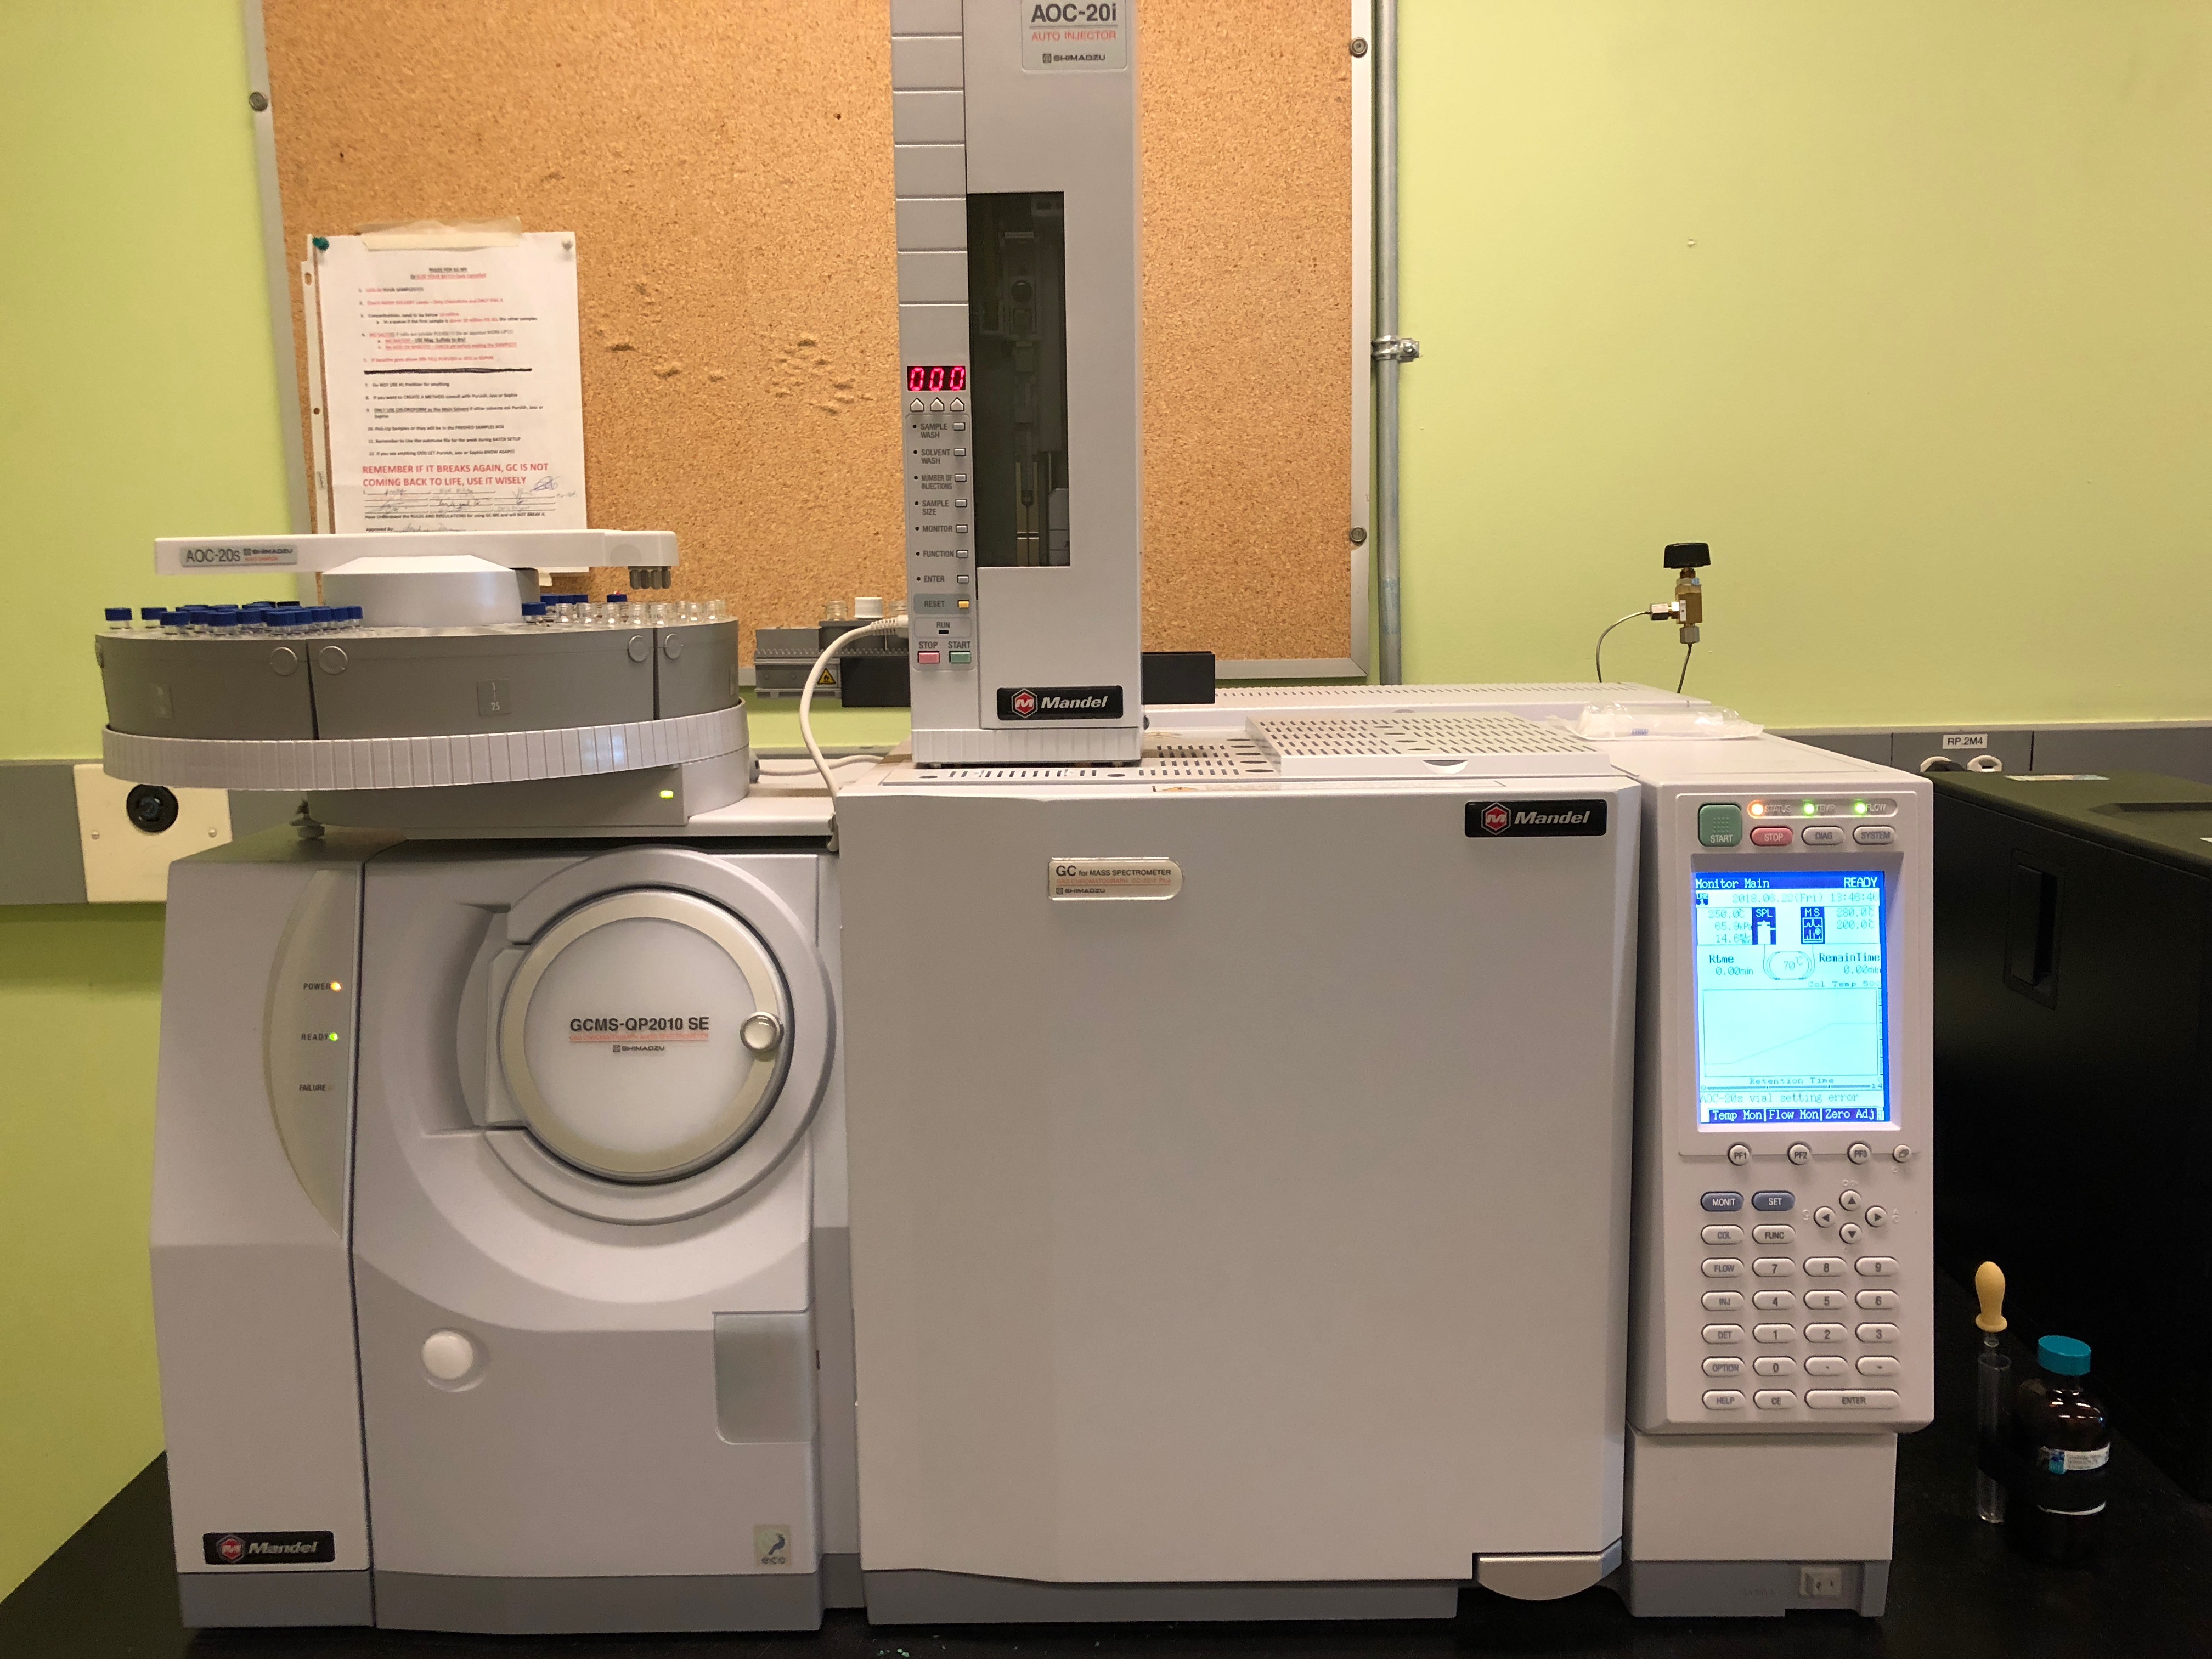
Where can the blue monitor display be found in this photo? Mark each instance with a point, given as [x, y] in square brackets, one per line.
[1793, 1004]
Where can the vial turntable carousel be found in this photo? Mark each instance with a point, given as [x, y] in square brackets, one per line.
[492, 1230]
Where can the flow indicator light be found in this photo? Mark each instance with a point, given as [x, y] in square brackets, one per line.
[1859, 806]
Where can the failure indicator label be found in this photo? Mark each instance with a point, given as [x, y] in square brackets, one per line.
[1792, 1000]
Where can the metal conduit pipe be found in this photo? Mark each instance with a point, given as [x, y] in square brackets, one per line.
[1390, 350]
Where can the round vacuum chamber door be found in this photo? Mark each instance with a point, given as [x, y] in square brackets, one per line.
[645, 1035]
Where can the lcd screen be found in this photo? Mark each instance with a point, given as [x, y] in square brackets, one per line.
[1793, 1004]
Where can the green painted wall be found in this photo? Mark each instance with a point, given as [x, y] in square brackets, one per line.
[137, 397]
[1899, 305]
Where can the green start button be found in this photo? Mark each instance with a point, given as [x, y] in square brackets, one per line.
[1720, 824]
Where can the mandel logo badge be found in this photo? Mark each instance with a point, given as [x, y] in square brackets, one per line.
[1024, 703]
[1497, 818]
[232, 1548]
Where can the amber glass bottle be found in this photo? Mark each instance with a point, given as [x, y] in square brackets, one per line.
[2059, 1431]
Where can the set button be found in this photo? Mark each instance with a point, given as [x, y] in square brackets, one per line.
[1774, 1201]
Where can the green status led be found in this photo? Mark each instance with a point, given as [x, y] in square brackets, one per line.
[1808, 809]
[334, 1036]
[1858, 806]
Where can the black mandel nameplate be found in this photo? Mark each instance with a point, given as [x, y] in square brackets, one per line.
[1059, 703]
[267, 1549]
[1497, 819]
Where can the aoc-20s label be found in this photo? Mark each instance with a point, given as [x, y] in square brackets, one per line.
[266, 1549]
[1495, 819]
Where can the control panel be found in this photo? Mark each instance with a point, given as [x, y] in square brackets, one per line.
[940, 560]
[1783, 1226]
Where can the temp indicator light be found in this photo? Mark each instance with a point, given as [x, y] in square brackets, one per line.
[1808, 809]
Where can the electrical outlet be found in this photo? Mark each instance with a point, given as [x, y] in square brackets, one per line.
[1819, 1584]
[129, 844]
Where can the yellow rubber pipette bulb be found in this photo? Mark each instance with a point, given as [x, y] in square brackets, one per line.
[1989, 1286]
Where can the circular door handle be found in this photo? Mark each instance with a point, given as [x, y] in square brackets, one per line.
[762, 1033]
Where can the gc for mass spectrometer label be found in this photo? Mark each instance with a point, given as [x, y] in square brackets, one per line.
[1114, 879]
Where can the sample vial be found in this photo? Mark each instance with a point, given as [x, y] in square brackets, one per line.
[2059, 1431]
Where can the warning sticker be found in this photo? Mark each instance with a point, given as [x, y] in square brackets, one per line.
[1114, 879]
[1062, 36]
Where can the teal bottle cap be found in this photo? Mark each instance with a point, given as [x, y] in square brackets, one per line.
[2064, 1356]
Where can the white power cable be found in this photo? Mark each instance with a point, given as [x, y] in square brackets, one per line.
[886, 625]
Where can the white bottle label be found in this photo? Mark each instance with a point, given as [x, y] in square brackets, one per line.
[2055, 1461]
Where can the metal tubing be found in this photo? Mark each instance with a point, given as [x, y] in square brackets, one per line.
[1386, 328]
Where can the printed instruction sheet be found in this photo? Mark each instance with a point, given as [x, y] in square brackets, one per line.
[453, 390]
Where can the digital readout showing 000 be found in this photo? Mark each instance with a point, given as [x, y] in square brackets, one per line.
[937, 377]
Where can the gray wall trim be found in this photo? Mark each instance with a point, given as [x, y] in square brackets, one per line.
[277, 270]
[912, 1597]
[236, 1597]
[41, 861]
[546, 1607]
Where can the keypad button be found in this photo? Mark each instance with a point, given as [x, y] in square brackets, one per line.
[1739, 1154]
[1775, 1301]
[917, 405]
[1903, 1154]
[1824, 1216]
[1721, 1334]
[1800, 1152]
[1772, 1233]
[1822, 834]
[1723, 1201]
[1850, 1232]
[1824, 1332]
[1824, 1267]
[1774, 1200]
[1873, 835]
[1775, 1400]
[1775, 1333]
[1825, 1364]
[1852, 1400]
[1859, 1152]
[1877, 1266]
[1723, 1301]
[1722, 1400]
[959, 403]
[1878, 1365]
[1723, 1365]
[1850, 1200]
[1771, 835]
[1774, 1267]
[1775, 1364]
[1874, 1301]
[1876, 1216]
[1723, 1266]
[1723, 1234]
[1873, 1332]
[1823, 1301]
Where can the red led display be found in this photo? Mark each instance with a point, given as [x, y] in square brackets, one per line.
[937, 377]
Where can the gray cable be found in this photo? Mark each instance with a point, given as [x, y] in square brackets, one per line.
[1599, 664]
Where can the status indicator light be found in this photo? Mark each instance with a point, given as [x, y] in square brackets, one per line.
[668, 794]
[1859, 806]
[334, 1036]
[1758, 808]
[1808, 809]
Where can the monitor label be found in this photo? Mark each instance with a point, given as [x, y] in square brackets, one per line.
[1792, 1000]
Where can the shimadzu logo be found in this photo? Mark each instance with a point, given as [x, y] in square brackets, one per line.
[1534, 817]
[1059, 703]
[238, 1549]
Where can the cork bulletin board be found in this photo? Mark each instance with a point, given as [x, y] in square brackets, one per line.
[727, 168]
